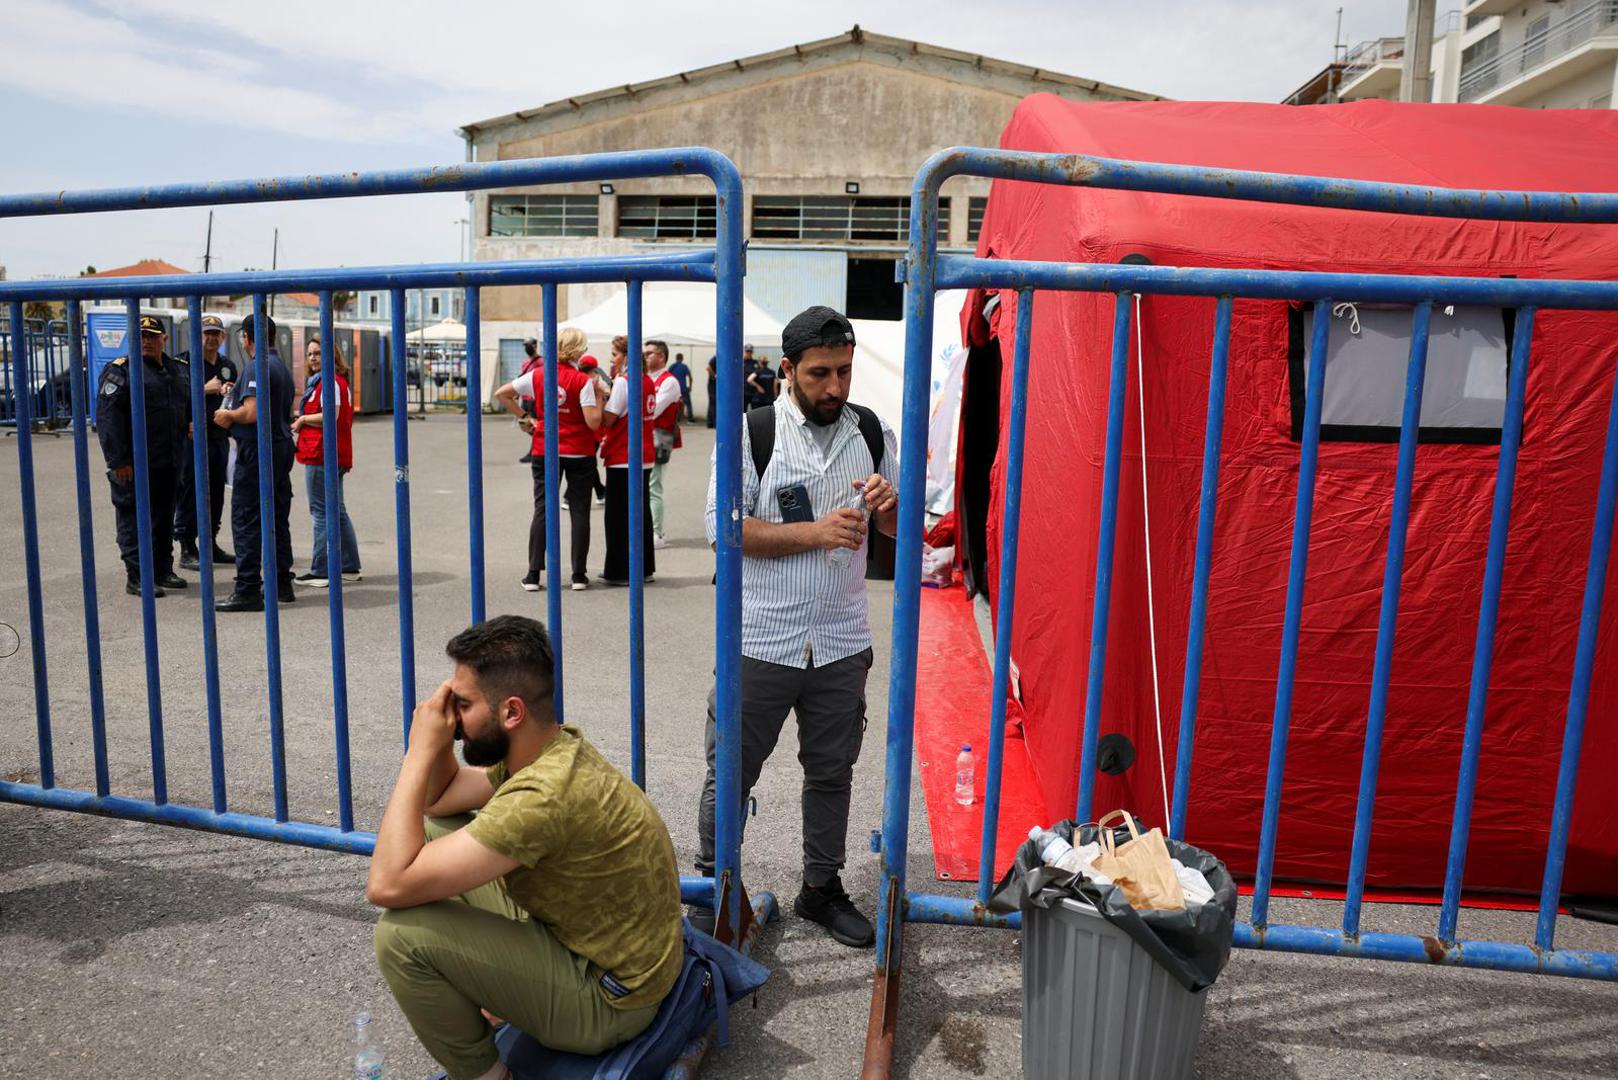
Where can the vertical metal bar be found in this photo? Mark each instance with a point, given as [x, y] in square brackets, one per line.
[728, 270]
[553, 490]
[143, 529]
[22, 403]
[1308, 458]
[263, 348]
[1006, 596]
[331, 416]
[1213, 435]
[201, 487]
[474, 449]
[78, 386]
[401, 512]
[1578, 698]
[1388, 620]
[637, 548]
[1117, 391]
[1488, 611]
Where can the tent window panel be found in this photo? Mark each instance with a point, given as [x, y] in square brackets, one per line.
[1463, 398]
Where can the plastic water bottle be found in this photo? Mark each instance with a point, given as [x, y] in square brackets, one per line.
[840, 556]
[965, 776]
[1052, 848]
[367, 1054]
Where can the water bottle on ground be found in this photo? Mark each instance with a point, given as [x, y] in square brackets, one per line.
[965, 776]
[367, 1054]
[839, 556]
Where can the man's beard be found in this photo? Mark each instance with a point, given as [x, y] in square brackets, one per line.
[485, 750]
[819, 415]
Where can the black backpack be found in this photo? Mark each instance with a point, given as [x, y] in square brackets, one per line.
[761, 435]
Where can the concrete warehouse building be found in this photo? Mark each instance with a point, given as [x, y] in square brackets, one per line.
[828, 136]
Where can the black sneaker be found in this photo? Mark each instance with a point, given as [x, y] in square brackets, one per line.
[190, 558]
[171, 580]
[318, 581]
[132, 587]
[830, 906]
[240, 601]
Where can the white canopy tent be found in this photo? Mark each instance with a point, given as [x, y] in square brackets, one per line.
[445, 330]
[679, 312]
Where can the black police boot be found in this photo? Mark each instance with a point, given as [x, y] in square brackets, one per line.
[240, 601]
[171, 580]
[221, 557]
[830, 906]
[190, 557]
[132, 587]
[284, 593]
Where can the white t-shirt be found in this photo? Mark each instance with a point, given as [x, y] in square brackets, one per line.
[524, 385]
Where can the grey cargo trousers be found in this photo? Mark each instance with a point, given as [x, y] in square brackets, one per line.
[830, 705]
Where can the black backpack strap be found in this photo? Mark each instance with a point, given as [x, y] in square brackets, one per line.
[761, 437]
[871, 429]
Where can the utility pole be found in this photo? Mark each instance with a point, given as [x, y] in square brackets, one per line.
[1416, 76]
[207, 248]
[1339, 53]
[275, 252]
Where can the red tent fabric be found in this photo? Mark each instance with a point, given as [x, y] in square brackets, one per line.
[1570, 388]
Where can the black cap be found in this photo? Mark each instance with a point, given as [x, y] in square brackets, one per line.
[151, 324]
[819, 325]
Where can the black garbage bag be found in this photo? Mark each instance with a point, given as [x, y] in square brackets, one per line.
[1192, 945]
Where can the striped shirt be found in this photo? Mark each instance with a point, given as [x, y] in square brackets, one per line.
[803, 609]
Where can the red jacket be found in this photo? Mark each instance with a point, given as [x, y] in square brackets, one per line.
[311, 450]
[669, 418]
[573, 436]
[615, 446]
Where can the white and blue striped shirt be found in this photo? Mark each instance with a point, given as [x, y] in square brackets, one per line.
[802, 609]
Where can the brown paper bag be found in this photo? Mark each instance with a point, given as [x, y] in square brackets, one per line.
[1140, 866]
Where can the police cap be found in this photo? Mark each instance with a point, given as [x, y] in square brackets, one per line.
[151, 324]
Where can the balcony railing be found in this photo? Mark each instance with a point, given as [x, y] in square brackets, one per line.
[1540, 49]
[1368, 54]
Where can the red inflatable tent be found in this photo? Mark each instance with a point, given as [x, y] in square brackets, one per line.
[1569, 390]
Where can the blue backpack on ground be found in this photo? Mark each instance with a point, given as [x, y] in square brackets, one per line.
[713, 976]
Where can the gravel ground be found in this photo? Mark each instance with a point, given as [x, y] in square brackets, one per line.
[145, 951]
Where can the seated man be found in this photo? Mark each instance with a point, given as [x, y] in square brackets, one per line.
[557, 906]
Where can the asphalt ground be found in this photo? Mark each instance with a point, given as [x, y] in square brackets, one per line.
[146, 951]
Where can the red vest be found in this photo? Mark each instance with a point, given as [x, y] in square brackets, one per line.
[615, 446]
[669, 418]
[573, 436]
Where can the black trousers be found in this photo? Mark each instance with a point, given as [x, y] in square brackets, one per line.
[161, 484]
[617, 524]
[245, 522]
[185, 503]
[578, 481]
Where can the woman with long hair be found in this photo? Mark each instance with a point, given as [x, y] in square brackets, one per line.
[309, 428]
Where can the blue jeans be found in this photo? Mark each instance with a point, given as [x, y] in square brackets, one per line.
[316, 476]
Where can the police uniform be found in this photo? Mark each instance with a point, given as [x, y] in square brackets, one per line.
[266, 379]
[218, 457]
[165, 384]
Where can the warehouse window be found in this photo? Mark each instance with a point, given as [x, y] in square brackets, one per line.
[974, 217]
[837, 218]
[667, 217]
[1464, 396]
[543, 215]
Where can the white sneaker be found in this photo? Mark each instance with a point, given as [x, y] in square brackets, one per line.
[355, 576]
[659, 543]
[530, 586]
[580, 586]
[565, 506]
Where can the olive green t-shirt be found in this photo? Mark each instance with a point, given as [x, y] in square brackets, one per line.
[598, 867]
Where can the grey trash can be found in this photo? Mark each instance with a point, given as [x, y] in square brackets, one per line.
[1096, 1006]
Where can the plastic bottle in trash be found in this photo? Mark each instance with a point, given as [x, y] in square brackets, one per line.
[839, 556]
[367, 1054]
[965, 776]
[1052, 848]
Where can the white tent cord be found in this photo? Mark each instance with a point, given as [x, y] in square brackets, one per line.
[1146, 518]
[1353, 315]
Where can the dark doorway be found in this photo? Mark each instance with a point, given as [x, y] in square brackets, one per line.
[872, 292]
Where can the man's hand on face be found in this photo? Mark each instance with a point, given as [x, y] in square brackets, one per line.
[843, 527]
[432, 726]
[879, 494]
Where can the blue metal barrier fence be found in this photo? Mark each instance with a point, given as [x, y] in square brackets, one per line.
[722, 264]
[926, 272]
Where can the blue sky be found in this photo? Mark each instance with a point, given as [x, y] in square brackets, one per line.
[106, 93]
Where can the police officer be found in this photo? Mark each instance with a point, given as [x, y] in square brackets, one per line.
[164, 383]
[264, 379]
[219, 370]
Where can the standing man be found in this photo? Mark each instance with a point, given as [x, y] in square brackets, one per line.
[266, 379]
[681, 371]
[165, 385]
[713, 389]
[218, 370]
[806, 641]
[556, 907]
[628, 471]
[665, 428]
